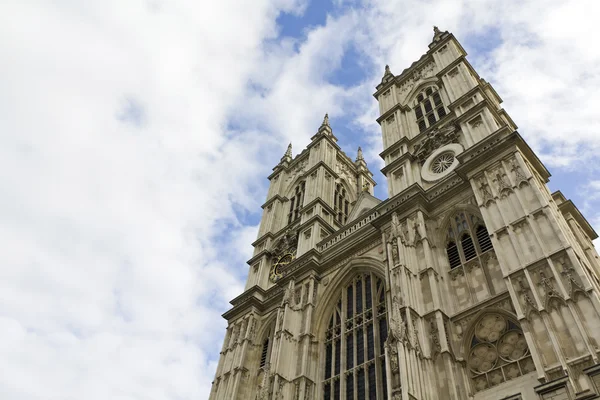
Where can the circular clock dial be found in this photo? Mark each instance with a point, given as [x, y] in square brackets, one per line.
[279, 263]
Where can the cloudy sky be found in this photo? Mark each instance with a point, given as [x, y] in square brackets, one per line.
[136, 137]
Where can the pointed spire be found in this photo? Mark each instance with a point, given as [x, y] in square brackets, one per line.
[324, 129]
[387, 74]
[287, 157]
[359, 154]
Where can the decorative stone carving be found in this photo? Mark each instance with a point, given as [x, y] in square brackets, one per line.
[548, 288]
[393, 352]
[436, 347]
[416, 344]
[287, 243]
[251, 329]
[434, 140]
[280, 318]
[502, 185]
[416, 78]
[525, 291]
[573, 284]
[345, 172]
[394, 244]
[484, 190]
[520, 178]
[263, 392]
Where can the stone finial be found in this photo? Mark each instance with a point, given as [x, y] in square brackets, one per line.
[325, 120]
[436, 34]
[387, 71]
[287, 157]
[359, 154]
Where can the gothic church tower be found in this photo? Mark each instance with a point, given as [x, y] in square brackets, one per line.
[471, 281]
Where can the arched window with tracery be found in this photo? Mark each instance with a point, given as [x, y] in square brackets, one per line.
[467, 239]
[296, 202]
[498, 352]
[340, 204]
[354, 367]
[429, 108]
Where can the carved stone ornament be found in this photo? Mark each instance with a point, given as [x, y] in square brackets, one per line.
[416, 343]
[287, 243]
[525, 291]
[436, 347]
[549, 289]
[573, 284]
[484, 190]
[502, 184]
[393, 353]
[398, 323]
[395, 251]
[436, 139]
[420, 74]
[520, 178]
[263, 392]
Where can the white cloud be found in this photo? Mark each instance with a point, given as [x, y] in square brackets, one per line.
[117, 169]
[134, 135]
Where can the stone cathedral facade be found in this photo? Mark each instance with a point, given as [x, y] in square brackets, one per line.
[471, 281]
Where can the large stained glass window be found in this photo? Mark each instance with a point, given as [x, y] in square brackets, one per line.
[354, 357]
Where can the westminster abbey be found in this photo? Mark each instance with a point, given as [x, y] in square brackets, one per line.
[471, 281]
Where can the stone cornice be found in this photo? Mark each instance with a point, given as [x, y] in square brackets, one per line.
[395, 146]
[391, 111]
[263, 237]
[501, 140]
[568, 207]
[272, 199]
[397, 162]
[320, 201]
[257, 257]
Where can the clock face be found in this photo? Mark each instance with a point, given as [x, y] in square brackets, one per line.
[279, 263]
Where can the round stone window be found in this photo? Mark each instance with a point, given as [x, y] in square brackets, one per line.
[441, 162]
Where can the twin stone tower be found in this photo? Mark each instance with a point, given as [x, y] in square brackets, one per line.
[471, 281]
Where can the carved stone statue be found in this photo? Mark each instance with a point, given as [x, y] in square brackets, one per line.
[434, 140]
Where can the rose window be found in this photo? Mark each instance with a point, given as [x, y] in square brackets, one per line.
[498, 352]
[442, 163]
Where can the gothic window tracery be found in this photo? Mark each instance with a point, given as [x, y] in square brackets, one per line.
[296, 202]
[341, 204]
[429, 108]
[354, 342]
[498, 352]
[467, 239]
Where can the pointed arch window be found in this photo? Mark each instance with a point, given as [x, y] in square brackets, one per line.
[429, 108]
[467, 239]
[296, 202]
[265, 353]
[341, 204]
[354, 367]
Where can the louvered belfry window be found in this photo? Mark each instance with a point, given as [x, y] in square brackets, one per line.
[265, 352]
[340, 204]
[467, 239]
[296, 202]
[429, 108]
[354, 343]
